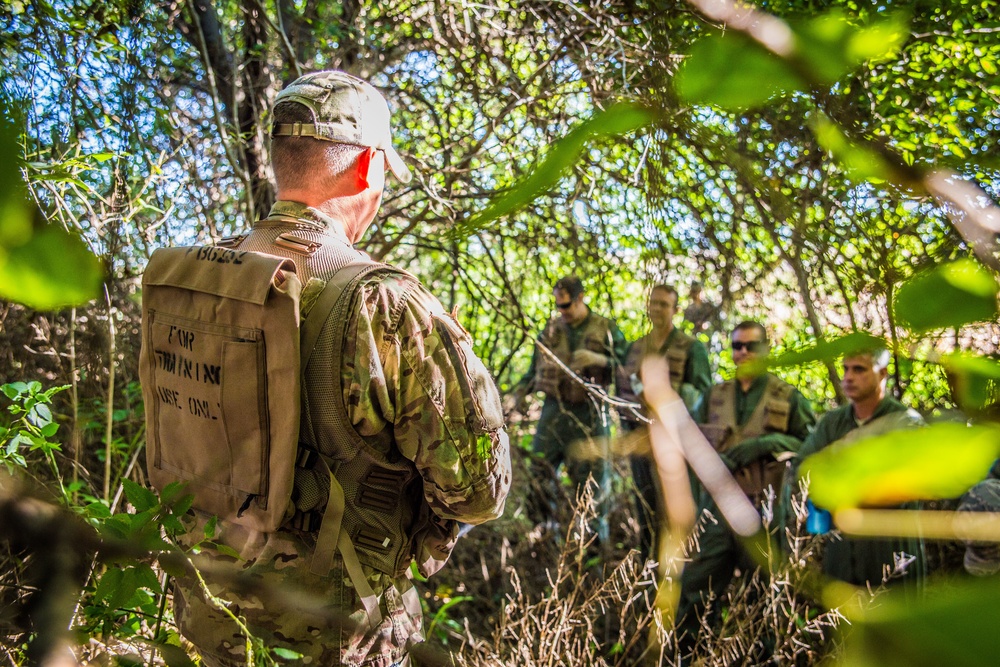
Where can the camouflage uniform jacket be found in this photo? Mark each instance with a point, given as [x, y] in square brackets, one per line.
[423, 405]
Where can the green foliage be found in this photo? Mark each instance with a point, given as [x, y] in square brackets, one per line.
[749, 200]
[976, 380]
[829, 350]
[41, 265]
[442, 622]
[734, 72]
[33, 426]
[948, 627]
[941, 461]
[950, 295]
[730, 71]
[620, 119]
[861, 162]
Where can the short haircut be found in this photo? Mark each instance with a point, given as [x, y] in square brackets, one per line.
[750, 325]
[880, 357]
[669, 289]
[571, 285]
[304, 161]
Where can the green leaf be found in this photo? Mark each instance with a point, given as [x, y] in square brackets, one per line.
[861, 162]
[141, 498]
[950, 624]
[49, 430]
[731, 71]
[126, 588]
[40, 415]
[832, 47]
[225, 550]
[172, 566]
[53, 269]
[172, 491]
[16, 213]
[831, 350]
[14, 389]
[940, 461]
[210, 527]
[619, 119]
[975, 380]
[950, 295]
[285, 653]
[174, 656]
[110, 581]
[145, 577]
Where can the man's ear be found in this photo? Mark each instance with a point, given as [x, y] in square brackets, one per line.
[364, 164]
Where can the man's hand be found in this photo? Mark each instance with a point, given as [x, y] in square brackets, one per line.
[747, 452]
[585, 359]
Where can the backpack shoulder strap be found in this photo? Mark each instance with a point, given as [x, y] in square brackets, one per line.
[316, 318]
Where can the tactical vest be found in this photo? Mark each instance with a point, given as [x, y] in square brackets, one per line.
[676, 355]
[552, 379]
[771, 415]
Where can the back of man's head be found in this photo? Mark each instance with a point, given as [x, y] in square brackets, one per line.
[323, 121]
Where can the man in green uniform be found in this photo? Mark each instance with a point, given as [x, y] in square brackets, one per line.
[399, 408]
[870, 411]
[754, 421]
[690, 376]
[590, 346]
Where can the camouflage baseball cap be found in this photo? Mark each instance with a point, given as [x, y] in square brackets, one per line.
[345, 110]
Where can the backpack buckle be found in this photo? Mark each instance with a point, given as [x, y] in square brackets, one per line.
[295, 244]
[231, 241]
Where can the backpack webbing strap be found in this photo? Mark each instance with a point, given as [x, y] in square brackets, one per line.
[331, 537]
[319, 313]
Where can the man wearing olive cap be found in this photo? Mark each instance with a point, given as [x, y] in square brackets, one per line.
[401, 435]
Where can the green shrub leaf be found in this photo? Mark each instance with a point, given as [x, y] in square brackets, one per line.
[976, 380]
[53, 269]
[830, 350]
[940, 461]
[619, 119]
[953, 625]
[950, 295]
[141, 498]
[732, 72]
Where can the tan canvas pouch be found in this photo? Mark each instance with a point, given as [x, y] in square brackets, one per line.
[219, 369]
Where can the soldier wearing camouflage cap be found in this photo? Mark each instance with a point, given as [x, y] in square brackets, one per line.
[403, 416]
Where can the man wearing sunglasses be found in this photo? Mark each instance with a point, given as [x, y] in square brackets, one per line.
[756, 422]
[576, 348]
[690, 376]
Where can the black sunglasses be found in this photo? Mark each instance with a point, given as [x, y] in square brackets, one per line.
[563, 306]
[749, 346]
